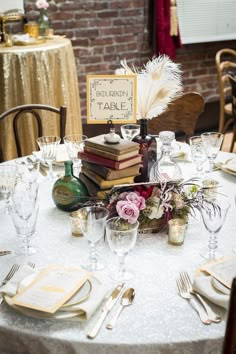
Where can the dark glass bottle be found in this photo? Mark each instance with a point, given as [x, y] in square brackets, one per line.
[68, 191]
[147, 150]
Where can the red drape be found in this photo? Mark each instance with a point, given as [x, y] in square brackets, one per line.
[164, 43]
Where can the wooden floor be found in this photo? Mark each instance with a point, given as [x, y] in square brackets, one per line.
[227, 143]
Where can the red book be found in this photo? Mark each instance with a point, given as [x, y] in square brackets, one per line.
[117, 165]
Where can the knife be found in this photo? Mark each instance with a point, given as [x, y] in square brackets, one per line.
[105, 310]
[4, 253]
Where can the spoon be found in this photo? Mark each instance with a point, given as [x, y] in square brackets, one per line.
[126, 300]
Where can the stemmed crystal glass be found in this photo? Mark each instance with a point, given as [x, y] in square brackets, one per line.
[212, 142]
[48, 147]
[74, 144]
[213, 216]
[27, 169]
[7, 180]
[198, 153]
[92, 221]
[121, 237]
[24, 212]
[129, 131]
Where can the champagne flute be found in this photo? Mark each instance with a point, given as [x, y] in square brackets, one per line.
[121, 237]
[213, 216]
[24, 212]
[212, 142]
[92, 222]
[48, 147]
[129, 131]
[74, 144]
[198, 153]
[7, 180]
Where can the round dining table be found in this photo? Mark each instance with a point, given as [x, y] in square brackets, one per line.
[43, 72]
[158, 322]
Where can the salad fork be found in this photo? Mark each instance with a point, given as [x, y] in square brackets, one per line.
[186, 295]
[213, 316]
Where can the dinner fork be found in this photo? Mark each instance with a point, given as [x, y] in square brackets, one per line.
[186, 295]
[213, 316]
[10, 274]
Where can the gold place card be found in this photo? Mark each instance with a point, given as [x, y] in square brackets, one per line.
[111, 98]
[51, 288]
[223, 270]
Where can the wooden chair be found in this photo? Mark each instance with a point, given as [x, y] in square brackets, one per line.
[181, 116]
[229, 344]
[225, 62]
[32, 110]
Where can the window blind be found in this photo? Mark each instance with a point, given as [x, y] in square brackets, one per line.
[206, 20]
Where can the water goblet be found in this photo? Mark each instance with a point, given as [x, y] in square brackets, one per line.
[74, 144]
[212, 142]
[7, 180]
[24, 212]
[198, 153]
[92, 221]
[121, 237]
[129, 131]
[213, 216]
[48, 147]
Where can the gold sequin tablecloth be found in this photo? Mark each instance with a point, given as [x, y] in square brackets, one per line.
[42, 73]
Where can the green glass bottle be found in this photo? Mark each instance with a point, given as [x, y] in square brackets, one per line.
[68, 191]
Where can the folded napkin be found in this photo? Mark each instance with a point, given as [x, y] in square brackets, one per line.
[226, 167]
[12, 285]
[89, 306]
[204, 286]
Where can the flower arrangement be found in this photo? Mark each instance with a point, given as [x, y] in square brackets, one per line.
[158, 83]
[42, 4]
[154, 204]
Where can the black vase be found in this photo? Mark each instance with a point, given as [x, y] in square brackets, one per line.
[147, 150]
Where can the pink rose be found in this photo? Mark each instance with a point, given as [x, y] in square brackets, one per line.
[42, 4]
[136, 199]
[128, 211]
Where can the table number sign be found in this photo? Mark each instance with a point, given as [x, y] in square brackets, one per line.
[111, 98]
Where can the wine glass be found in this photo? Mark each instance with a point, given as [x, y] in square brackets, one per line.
[24, 212]
[92, 221]
[7, 180]
[198, 153]
[74, 144]
[129, 131]
[27, 169]
[213, 216]
[121, 237]
[212, 142]
[48, 147]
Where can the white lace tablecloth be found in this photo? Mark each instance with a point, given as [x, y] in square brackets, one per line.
[159, 321]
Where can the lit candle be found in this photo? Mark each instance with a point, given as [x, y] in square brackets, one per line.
[75, 224]
[176, 231]
[210, 186]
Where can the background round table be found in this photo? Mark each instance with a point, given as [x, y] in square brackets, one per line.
[42, 73]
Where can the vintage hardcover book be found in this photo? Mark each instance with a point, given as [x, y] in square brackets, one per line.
[102, 183]
[92, 187]
[120, 148]
[110, 155]
[110, 174]
[102, 161]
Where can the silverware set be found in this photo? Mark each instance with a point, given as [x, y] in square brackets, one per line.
[126, 300]
[203, 309]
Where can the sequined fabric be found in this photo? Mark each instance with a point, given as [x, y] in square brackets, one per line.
[158, 322]
[43, 73]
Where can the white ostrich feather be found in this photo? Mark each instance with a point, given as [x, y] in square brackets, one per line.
[158, 83]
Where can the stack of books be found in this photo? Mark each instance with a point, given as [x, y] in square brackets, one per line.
[106, 165]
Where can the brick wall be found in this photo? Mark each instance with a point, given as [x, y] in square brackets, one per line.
[104, 31]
